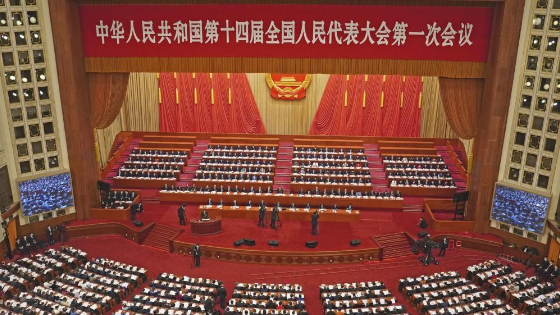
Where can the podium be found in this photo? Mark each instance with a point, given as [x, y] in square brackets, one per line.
[208, 227]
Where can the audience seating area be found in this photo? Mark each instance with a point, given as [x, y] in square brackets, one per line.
[359, 298]
[171, 294]
[262, 298]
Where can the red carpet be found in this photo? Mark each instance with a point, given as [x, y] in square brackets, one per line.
[310, 277]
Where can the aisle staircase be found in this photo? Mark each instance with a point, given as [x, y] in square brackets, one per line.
[283, 171]
[459, 182]
[376, 169]
[394, 245]
[160, 236]
[192, 165]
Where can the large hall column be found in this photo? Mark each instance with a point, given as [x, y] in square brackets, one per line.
[495, 105]
[75, 103]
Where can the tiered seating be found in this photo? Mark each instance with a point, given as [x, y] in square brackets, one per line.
[488, 271]
[153, 164]
[364, 297]
[312, 168]
[447, 292]
[120, 199]
[241, 167]
[30, 280]
[170, 294]
[266, 299]
[417, 171]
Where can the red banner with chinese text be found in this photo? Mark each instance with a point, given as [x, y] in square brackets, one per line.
[287, 31]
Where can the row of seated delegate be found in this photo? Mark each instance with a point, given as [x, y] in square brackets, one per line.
[263, 298]
[225, 155]
[177, 295]
[423, 183]
[232, 177]
[329, 157]
[331, 150]
[238, 162]
[327, 165]
[139, 159]
[328, 172]
[359, 298]
[159, 153]
[149, 175]
[235, 169]
[118, 199]
[332, 179]
[262, 204]
[241, 148]
[330, 193]
[419, 175]
[449, 293]
[392, 159]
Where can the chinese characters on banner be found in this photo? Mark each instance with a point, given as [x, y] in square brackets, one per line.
[296, 31]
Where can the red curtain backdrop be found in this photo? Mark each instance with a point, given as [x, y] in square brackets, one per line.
[391, 107]
[180, 113]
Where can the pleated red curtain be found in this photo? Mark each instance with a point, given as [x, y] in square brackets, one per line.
[461, 99]
[106, 94]
[359, 105]
[204, 102]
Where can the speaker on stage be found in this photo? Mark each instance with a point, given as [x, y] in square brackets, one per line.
[311, 244]
[355, 242]
[249, 242]
[238, 243]
[273, 243]
[137, 223]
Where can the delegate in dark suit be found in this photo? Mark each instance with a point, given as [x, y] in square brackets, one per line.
[314, 222]
[181, 215]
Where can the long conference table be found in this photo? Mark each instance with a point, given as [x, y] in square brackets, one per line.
[243, 212]
[284, 199]
[142, 183]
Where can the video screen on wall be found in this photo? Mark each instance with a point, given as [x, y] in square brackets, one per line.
[520, 208]
[46, 194]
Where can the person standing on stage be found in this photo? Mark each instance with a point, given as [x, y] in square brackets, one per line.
[262, 214]
[274, 218]
[314, 222]
[196, 255]
[181, 215]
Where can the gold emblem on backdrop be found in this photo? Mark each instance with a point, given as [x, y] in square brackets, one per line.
[287, 86]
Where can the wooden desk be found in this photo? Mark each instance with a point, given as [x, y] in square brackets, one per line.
[142, 183]
[162, 145]
[409, 150]
[300, 215]
[406, 144]
[243, 144]
[328, 142]
[243, 140]
[210, 227]
[284, 199]
[425, 191]
[295, 187]
[160, 138]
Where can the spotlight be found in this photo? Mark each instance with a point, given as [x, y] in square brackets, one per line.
[33, 20]
[42, 77]
[24, 80]
[3, 22]
[546, 86]
[12, 77]
[537, 21]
